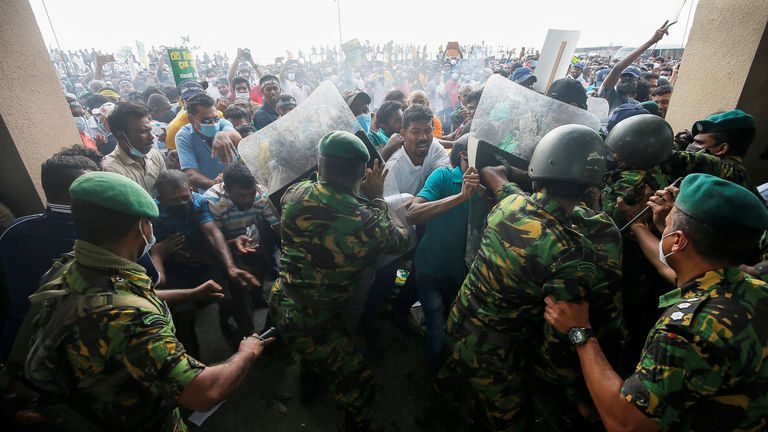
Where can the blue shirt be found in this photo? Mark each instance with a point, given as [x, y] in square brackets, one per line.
[441, 251]
[187, 224]
[28, 248]
[264, 116]
[195, 149]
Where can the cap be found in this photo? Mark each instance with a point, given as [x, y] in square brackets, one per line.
[568, 90]
[115, 192]
[631, 71]
[522, 74]
[579, 65]
[350, 95]
[624, 111]
[343, 144]
[84, 93]
[652, 107]
[104, 110]
[720, 203]
[733, 119]
[187, 89]
[107, 92]
[286, 101]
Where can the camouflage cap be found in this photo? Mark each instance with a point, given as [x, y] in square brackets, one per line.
[721, 203]
[343, 144]
[114, 192]
[733, 119]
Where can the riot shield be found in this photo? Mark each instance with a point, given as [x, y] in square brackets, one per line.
[513, 118]
[286, 149]
[599, 107]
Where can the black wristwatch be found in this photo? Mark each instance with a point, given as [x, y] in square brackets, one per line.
[580, 335]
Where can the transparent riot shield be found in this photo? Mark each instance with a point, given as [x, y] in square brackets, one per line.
[599, 107]
[509, 122]
[514, 118]
[287, 148]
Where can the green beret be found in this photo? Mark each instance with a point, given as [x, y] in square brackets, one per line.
[115, 192]
[720, 203]
[729, 120]
[343, 144]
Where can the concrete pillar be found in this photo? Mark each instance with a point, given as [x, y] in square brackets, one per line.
[725, 66]
[35, 120]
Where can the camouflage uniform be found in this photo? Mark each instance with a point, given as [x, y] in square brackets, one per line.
[640, 280]
[704, 364]
[127, 364]
[727, 168]
[329, 239]
[528, 252]
[630, 186]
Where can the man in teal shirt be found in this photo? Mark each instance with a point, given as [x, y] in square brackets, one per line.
[389, 120]
[443, 205]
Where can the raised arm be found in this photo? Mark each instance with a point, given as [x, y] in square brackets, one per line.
[613, 76]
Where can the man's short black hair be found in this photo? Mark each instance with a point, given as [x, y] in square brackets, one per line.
[171, 179]
[171, 92]
[99, 225]
[58, 173]
[649, 76]
[473, 97]
[123, 113]
[738, 140]
[240, 80]
[80, 150]
[732, 246]
[238, 175]
[386, 111]
[661, 90]
[135, 97]
[96, 101]
[245, 130]
[459, 146]
[197, 101]
[235, 112]
[395, 95]
[149, 92]
[417, 113]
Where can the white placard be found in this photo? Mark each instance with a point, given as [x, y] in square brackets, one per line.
[472, 150]
[555, 57]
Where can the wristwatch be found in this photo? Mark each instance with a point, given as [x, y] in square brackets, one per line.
[580, 335]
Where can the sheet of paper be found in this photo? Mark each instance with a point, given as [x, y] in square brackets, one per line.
[556, 55]
[472, 150]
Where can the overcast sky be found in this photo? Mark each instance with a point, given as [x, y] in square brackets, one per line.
[271, 28]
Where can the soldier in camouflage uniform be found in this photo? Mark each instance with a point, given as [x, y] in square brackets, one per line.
[330, 237]
[639, 144]
[705, 363]
[529, 251]
[119, 361]
[720, 143]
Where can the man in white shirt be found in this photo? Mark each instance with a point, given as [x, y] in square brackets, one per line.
[419, 155]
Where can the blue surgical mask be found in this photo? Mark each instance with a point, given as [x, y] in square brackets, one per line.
[365, 122]
[132, 150]
[209, 130]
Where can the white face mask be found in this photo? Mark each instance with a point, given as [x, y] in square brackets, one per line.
[662, 257]
[148, 243]
[243, 96]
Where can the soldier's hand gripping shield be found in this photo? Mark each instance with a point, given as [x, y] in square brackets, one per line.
[286, 150]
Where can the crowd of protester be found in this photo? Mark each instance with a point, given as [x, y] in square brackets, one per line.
[554, 324]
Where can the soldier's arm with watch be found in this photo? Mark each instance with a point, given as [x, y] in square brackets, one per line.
[603, 382]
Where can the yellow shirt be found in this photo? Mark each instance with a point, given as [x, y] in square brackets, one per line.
[176, 124]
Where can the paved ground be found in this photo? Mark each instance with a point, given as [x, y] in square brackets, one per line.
[268, 400]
